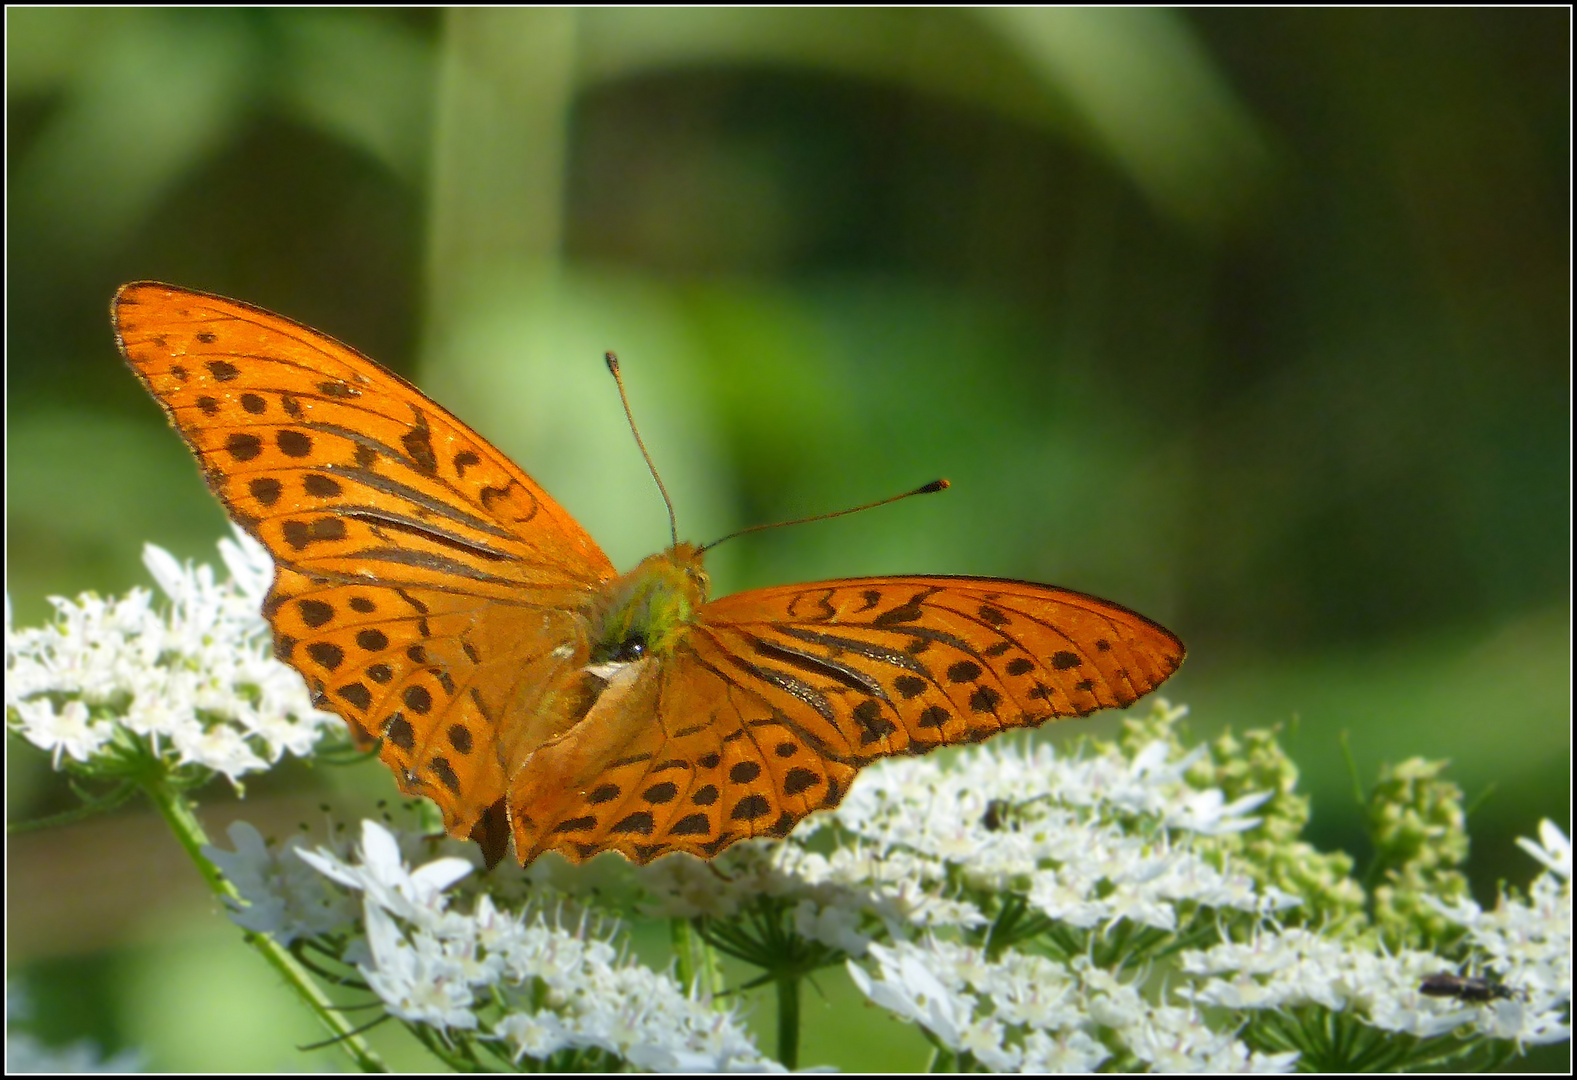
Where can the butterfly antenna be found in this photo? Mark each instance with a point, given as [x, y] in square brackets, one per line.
[673, 522]
[923, 489]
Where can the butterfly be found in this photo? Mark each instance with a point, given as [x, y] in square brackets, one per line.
[436, 598]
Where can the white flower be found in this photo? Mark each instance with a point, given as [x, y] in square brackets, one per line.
[1062, 1052]
[221, 748]
[983, 1037]
[71, 731]
[909, 988]
[415, 979]
[1553, 849]
[831, 925]
[1178, 1040]
[281, 895]
[382, 874]
[1208, 812]
[539, 1034]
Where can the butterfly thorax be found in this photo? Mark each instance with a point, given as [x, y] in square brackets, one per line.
[644, 612]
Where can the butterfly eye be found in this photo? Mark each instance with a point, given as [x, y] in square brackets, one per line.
[630, 649]
[625, 649]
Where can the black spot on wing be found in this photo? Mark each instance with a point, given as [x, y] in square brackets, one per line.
[909, 611]
[692, 825]
[873, 725]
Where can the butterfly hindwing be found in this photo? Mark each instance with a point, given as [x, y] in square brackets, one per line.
[775, 698]
[431, 674]
[708, 760]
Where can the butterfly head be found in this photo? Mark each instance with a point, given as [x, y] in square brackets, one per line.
[644, 612]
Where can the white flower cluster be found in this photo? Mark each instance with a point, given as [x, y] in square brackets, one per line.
[1030, 909]
[199, 679]
[535, 987]
[1528, 944]
[1091, 840]
[1102, 845]
[1284, 969]
[1026, 1013]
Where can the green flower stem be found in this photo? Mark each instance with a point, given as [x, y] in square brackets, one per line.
[696, 960]
[179, 814]
[788, 1021]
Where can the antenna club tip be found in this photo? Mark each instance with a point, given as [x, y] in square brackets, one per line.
[934, 486]
[612, 361]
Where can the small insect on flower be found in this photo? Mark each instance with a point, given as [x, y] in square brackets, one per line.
[999, 814]
[995, 817]
[1475, 990]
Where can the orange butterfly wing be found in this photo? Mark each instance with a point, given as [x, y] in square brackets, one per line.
[434, 596]
[424, 585]
[775, 698]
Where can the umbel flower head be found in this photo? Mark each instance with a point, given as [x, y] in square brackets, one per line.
[537, 984]
[914, 930]
[1117, 905]
[1018, 904]
[111, 686]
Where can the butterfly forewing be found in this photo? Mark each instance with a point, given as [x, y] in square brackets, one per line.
[880, 666]
[423, 583]
[340, 467]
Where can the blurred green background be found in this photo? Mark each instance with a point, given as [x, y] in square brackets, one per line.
[1254, 321]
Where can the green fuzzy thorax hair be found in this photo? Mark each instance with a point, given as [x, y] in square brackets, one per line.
[644, 612]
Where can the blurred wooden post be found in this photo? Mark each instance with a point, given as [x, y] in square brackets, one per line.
[505, 86]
